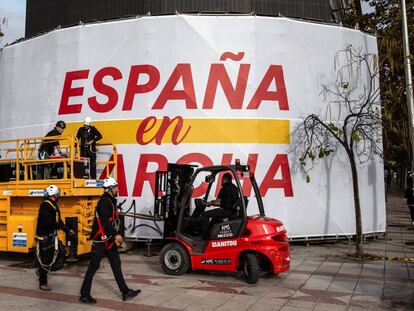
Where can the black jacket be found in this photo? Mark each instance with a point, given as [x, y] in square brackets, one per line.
[84, 136]
[106, 210]
[49, 146]
[409, 195]
[228, 195]
[49, 219]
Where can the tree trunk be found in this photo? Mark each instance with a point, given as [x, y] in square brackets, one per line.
[357, 205]
[359, 21]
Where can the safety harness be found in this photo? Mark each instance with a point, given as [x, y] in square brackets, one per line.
[101, 233]
[54, 244]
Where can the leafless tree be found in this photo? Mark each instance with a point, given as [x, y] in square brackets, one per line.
[352, 121]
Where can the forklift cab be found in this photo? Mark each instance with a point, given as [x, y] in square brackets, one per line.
[183, 196]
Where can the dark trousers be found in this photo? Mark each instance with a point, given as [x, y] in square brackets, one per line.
[97, 253]
[43, 170]
[92, 161]
[214, 213]
[47, 250]
[411, 208]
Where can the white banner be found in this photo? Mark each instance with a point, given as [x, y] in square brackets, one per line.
[202, 90]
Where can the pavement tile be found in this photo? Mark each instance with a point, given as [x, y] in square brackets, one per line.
[271, 301]
[280, 292]
[208, 302]
[291, 308]
[180, 302]
[300, 304]
[318, 282]
[329, 307]
[341, 284]
[307, 267]
[265, 307]
[366, 287]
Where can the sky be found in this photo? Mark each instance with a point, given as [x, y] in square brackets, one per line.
[15, 12]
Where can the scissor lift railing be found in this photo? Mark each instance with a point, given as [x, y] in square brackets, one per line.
[22, 155]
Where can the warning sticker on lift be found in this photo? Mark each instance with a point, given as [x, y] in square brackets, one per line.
[93, 183]
[36, 192]
[19, 239]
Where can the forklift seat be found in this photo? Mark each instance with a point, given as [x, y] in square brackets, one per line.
[237, 206]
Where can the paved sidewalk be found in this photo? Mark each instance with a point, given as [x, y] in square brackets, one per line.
[322, 277]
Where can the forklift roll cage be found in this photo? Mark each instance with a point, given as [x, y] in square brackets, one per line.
[172, 203]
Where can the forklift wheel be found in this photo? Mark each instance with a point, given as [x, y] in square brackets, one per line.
[174, 259]
[250, 268]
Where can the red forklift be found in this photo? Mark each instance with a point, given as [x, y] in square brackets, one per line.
[240, 242]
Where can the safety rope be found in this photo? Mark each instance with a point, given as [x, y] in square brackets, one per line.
[47, 267]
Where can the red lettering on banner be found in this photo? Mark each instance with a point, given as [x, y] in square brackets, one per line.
[274, 73]
[166, 123]
[105, 89]
[144, 127]
[148, 124]
[181, 71]
[143, 175]
[280, 162]
[69, 91]
[234, 95]
[135, 88]
[198, 158]
[120, 170]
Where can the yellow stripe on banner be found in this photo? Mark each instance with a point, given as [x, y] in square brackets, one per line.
[245, 131]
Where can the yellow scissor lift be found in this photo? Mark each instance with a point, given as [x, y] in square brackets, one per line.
[22, 186]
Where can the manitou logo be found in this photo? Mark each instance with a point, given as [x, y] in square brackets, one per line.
[224, 243]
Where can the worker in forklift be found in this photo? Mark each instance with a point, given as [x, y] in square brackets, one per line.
[49, 222]
[226, 199]
[88, 136]
[106, 237]
[48, 148]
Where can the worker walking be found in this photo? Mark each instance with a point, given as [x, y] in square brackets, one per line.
[106, 237]
[88, 136]
[49, 222]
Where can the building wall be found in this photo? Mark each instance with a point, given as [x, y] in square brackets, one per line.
[44, 15]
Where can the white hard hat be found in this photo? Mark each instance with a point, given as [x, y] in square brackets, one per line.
[88, 121]
[52, 190]
[109, 183]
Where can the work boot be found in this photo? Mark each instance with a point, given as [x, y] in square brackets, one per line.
[87, 299]
[45, 287]
[130, 294]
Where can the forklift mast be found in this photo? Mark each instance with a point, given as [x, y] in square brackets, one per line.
[173, 191]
